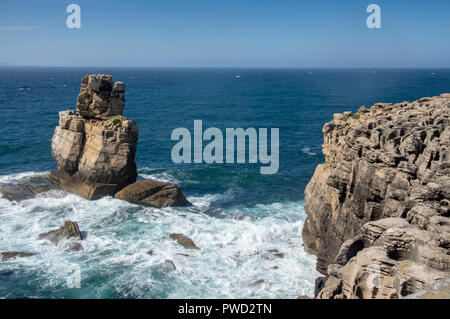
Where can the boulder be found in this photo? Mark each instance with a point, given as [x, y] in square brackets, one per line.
[69, 230]
[100, 97]
[378, 208]
[95, 147]
[153, 193]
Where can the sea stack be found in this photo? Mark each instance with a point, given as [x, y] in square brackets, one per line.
[95, 146]
[378, 208]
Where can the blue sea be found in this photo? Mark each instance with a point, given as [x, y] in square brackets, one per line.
[238, 214]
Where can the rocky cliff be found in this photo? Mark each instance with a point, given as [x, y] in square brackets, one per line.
[95, 146]
[378, 209]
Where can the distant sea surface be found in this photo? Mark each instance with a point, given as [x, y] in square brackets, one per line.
[238, 214]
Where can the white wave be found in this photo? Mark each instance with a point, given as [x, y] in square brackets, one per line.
[307, 150]
[150, 173]
[20, 176]
[120, 235]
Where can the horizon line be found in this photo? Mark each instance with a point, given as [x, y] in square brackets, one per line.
[225, 67]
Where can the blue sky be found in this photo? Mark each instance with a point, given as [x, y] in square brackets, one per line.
[226, 33]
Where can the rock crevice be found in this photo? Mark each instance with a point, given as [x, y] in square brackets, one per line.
[378, 208]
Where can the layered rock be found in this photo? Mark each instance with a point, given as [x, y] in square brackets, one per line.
[95, 146]
[184, 241]
[70, 229]
[9, 255]
[378, 209]
[153, 193]
[100, 97]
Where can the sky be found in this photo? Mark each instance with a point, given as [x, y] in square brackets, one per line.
[226, 33]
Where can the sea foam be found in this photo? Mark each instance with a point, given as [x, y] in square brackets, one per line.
[126, 248]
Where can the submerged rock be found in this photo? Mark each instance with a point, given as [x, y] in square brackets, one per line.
[184, 241]
[78, 185]
[378, 209]
[95, 147]
[169, 266]
[153, 193]
[272, 254]
[70, 230]
[8, 255]
[100, 97]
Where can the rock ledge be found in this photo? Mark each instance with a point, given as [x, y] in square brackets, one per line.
[378, 209]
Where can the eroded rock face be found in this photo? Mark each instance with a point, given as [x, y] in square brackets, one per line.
[95, 147]
[378, 209]
[69, 230]
[153, 193]
[100, 97]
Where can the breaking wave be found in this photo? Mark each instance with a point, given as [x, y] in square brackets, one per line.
[246, 252]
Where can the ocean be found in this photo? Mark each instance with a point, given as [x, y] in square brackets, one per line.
[238, 214]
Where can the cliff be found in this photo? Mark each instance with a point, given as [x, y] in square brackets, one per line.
[378, 208]
[95, 146]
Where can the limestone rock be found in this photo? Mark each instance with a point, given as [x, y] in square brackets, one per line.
[100, 97]
[184, 241]
[153, 193]
[271, 254]
[70, 229]
[257, 283]
[8, 255]
[78, 185]
[378, 209]
[94, 148]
